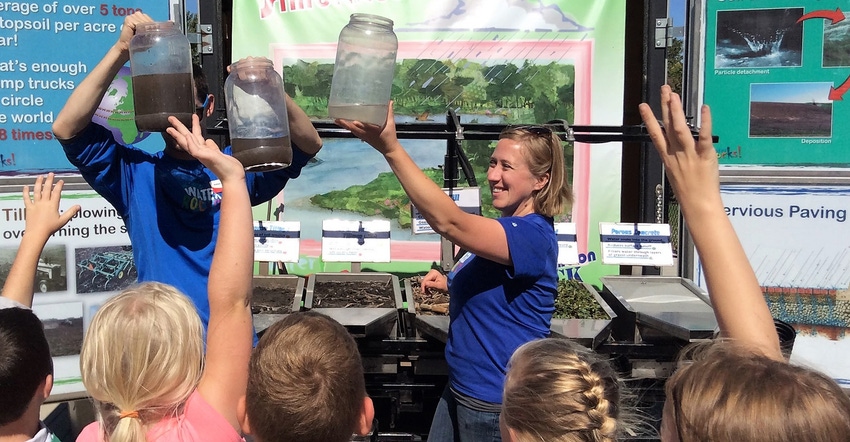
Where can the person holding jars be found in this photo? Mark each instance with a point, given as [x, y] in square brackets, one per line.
[169, 201]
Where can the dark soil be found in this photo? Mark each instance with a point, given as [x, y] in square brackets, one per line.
[274, 297]
[433, 302]
[64, 336]
[364, 294]
[790, 120]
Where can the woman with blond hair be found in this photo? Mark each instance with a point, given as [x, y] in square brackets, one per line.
[503, 290]
[142, 360]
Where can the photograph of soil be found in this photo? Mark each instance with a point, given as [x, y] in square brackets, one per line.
[65, 336]
[104, 269]
[759, 38]
[432, 302]
[51, 274]
[790, 120]
[790, 110]
[353, 294]
[274, 295]
[63, 327]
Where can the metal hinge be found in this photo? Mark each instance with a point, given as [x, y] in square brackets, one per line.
[203, 37]
[663, 32]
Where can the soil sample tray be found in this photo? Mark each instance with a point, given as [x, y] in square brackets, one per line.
[434, 302]
[428, 313]
[275, 297]
[367, 304]
[660, 307]
[587, 332]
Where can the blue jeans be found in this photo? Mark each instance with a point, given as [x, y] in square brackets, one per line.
[455, 423]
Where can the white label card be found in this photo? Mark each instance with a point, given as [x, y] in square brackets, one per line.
[567, 243]
[467, 198]
[277, 241]
[355, 241]
[636, 244]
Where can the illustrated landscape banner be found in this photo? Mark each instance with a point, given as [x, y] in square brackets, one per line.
[503, 62]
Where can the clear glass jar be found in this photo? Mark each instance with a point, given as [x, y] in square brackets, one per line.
[161, 66]
[256, 115]
[363, 71]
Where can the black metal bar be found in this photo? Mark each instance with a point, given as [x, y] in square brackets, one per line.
[478, 131]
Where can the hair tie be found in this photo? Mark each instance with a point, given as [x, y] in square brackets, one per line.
[130, 414]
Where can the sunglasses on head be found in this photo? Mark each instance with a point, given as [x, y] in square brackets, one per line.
[201, 110]
[536, 130]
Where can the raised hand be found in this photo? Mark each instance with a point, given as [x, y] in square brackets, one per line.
[42, 208]
[691, 166]
[129, 28]
[383, 139]
[204, 150]
[43, 219]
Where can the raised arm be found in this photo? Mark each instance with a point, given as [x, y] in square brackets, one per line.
[692, 169]
[483, 236]
[230, 330]
[42, 220]
[301, 129]
[81, 105]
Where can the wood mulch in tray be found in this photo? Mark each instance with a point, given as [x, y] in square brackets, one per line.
[353, 294]
[274, 296]
[433, 302]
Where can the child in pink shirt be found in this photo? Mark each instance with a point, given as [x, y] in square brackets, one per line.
[143, 359]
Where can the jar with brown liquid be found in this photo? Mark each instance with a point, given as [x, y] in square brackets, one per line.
[256, 115]
[161, 66]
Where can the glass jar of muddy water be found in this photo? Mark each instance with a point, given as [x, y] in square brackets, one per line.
[363, 71]
[256, 115]
[161, 66]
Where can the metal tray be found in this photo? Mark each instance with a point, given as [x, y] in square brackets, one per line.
[587, 332]
[360, 321]
[658, 308]
[292, 292]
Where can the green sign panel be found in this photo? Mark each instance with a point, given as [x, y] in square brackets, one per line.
[777, 78]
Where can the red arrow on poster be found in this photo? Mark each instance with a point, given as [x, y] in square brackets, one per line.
[836, 15]
[837, 94]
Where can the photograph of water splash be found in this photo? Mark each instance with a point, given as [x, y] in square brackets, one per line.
[759, 38]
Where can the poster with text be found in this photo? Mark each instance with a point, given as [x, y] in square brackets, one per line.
[777, 75]
[795, 238]
[83, 264]
[47, 48]
[498, 62]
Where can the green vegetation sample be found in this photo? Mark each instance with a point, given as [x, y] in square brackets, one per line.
[575, 302]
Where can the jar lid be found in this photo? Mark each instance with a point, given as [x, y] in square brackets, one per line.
[373, 19]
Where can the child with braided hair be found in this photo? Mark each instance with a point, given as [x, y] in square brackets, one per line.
[558, 391]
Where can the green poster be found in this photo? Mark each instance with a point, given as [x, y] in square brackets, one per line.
[777, 75]
[492, 61]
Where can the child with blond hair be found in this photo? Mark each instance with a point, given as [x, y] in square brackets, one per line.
[143, 361]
